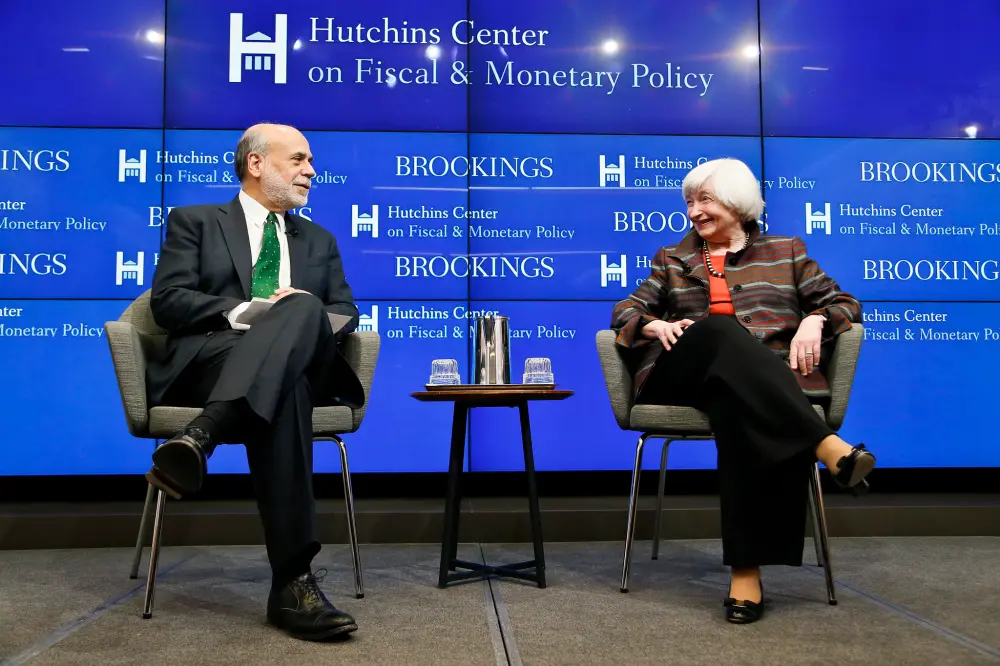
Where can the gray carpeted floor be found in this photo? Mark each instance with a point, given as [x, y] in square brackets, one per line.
[902, 601]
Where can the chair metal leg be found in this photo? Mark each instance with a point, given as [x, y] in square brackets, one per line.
[134, 571]
[659, 498]
[633, 499]
[345, 473]
[820, 534]
[154, 555]
[814, 520]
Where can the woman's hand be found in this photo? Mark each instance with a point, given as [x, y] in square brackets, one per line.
[668, 332]
[805, 350]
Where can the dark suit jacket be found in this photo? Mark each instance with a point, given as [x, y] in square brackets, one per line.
[773, 284]
[204, 270]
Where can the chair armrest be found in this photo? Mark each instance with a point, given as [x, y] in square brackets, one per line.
[840, 376]
[617, 377]
[361, 349]
[129, 358]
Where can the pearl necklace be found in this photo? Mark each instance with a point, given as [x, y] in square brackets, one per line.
[708, 258]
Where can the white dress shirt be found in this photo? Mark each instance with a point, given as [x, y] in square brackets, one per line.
[256, 216]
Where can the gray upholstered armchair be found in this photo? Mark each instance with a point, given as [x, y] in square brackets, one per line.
[671, 423]
[135, 338]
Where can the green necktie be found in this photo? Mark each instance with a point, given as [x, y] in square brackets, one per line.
[265, 271]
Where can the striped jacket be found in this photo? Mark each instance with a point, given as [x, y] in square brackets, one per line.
[773, 285]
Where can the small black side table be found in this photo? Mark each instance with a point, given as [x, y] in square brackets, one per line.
[465, 398]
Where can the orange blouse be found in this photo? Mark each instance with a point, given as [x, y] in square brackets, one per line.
[720, 302]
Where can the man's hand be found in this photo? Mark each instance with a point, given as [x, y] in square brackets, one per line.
[285, 291]
[668, 332]
[234, 314]
[805, 350]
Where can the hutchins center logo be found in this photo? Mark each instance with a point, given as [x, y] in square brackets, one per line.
[614, 272]
[612, 174]
[364, 221]
[131, 167]
[129, 270]
[369, 322]
[258, 52]
[818, 220]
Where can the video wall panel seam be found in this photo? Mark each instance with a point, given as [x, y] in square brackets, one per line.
[349, 130]
[470, 345]
[163, 117]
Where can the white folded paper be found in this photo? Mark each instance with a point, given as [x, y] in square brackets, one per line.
[259, 306]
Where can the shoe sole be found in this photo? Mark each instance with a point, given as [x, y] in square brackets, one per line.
[160, 481]
[733, 620]
[863, 466]
[322, 635]
[178, 468]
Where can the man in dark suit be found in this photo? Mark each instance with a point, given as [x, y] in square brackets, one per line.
[257, 384]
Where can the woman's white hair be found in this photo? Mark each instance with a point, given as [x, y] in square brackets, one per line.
[733, 185]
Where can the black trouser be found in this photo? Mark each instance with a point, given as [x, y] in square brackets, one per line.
[271, 372]
[766, 432]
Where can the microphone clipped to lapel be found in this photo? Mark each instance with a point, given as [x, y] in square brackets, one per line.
[298, 250]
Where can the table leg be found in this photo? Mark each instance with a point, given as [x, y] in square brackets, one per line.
[456, 501]
[536, 517]
[449, 540]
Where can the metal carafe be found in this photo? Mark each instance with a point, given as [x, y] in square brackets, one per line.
[492, 352]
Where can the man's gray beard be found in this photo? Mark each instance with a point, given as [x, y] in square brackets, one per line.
[280, 193]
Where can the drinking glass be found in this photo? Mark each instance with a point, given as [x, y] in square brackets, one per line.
[538, 371]
[444, 371]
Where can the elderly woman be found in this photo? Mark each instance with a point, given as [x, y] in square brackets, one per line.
[726, 322]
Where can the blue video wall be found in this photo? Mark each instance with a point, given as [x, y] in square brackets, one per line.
[519, 158]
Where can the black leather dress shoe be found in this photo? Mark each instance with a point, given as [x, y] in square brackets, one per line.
[303, 611]
[180, 463]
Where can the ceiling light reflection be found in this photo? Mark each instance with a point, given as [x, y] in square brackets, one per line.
[971, 131]
[154, 37]
[433, 52]
[750, 51]
[610, 46]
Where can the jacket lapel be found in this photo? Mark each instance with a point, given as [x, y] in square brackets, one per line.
[234, 229]
[694, 267]
[689, 257]
[298, 251]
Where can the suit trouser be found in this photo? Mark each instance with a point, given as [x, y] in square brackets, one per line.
[273, 371]
[765, 430]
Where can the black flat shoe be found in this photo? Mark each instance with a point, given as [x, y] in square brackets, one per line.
[180, 463]
[853, 468]
[744, 612]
